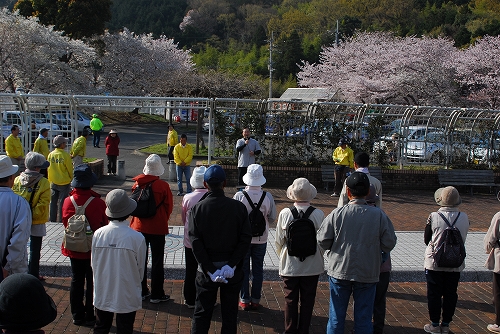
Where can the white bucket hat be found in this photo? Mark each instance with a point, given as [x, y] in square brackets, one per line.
[301, 190]
[6, 167]
[196, 179]
[153, 166]
[254, 175]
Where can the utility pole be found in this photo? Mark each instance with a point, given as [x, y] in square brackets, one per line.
[337, 34]
[271, 66]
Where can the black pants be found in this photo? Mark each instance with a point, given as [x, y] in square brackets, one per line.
[112, 164]
[104, 320]
[442, 293]
[496, 296]
[81, 273]
[301, 288]
[206, 296]
[171, 153]
[157, 244]
[340, 176]
[34, 262]
[189, 289]
[379, 304]
[241, 171]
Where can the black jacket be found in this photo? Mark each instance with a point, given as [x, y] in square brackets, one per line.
[219, 231]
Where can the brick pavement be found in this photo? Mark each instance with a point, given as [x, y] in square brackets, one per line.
[406, 310]
[406, 307]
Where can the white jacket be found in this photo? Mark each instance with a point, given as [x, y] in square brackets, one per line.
[118, 260]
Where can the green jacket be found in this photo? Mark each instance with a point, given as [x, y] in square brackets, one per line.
[96, 124]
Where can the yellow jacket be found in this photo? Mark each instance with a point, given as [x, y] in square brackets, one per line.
[41, 198]
[41, 146]
[61, 167]
[343, 157]
[13, 147]
[172, 138]
[183, 154]
[79, 147]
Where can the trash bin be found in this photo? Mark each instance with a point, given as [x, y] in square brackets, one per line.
[172, 172]
[121, 170]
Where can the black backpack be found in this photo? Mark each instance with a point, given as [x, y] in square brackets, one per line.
[449, 251]
[256, 217]
[301, 234]
[146, 203]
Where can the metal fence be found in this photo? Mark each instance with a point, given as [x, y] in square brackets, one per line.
[292, 130]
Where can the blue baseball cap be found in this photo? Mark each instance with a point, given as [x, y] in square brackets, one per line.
[214, 174]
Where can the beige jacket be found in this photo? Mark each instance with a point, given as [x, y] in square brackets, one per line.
[490, 241]
[291, 265]
[438, 226]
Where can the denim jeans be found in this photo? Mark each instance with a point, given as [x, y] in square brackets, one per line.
[187, 173]
[363, 295]
[97, 138]
[57, 195]
[256, 252]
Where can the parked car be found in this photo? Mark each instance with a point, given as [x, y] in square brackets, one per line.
[5, 129]
[83, 121]
[430, 147]
[12, 117]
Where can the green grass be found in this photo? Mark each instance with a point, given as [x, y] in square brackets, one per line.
[155, 149]
[162, 149]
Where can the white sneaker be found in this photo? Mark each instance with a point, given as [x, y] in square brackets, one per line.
[494, 328]
[432, 329]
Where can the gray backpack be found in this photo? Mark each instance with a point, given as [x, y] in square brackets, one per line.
[78, 233]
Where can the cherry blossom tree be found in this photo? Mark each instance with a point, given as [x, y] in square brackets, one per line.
[379, 67]
[139, 65]
[478, 71]
[40, 59]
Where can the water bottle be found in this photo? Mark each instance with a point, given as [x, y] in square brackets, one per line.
[88, 231]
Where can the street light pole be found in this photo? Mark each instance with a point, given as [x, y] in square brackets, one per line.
[271, 66]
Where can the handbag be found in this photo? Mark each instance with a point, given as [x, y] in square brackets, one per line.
[490, 261]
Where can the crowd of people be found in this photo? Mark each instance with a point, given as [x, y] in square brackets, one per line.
[225, 241]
